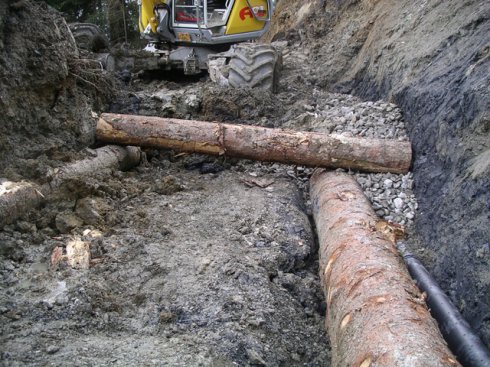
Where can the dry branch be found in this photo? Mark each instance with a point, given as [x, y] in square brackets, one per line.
[17, 198]
[376, 316]
[252, 142]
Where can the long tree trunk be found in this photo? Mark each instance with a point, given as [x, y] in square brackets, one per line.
[376, 316]
[17, 198]
[252, 142]
[116, 19]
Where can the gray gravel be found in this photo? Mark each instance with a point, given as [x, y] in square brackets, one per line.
[390, 194]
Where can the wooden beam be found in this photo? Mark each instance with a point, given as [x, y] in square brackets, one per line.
[376, 316]
[258, 143]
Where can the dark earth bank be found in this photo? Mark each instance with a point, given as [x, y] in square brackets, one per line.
[432, 58]
[47, 92]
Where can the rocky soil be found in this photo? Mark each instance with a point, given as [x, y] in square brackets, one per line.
[196, 260]
[210, 261]
[187, 269]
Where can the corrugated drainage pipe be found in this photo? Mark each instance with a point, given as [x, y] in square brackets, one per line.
[464, 343]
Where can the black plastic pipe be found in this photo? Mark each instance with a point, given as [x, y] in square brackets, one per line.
[463, 342]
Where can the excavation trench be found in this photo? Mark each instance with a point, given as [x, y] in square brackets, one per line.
[194, 260]
[235, 274]
[155, 292]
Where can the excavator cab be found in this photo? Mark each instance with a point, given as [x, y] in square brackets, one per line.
[186, 33]
[204, 21]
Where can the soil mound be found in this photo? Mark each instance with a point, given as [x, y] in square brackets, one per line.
[43, 112]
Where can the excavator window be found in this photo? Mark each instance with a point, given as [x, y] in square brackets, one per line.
[216, 4]
[186, 10]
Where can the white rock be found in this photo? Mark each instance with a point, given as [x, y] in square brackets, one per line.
[388, 183]
[398, 203]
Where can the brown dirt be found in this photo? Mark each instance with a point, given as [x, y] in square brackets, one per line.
[47, 91]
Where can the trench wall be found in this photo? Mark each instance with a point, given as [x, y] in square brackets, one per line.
[432, 58]
[42, 107]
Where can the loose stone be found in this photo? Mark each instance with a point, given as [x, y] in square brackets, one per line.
[398, 203]
[388, 183]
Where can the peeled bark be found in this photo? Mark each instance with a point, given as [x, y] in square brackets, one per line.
[17, 198]
[376, 316]
[259, 143]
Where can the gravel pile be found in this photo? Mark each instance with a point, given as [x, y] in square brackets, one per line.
[390, 194]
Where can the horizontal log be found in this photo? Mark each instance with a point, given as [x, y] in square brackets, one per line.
[376, 316]
[109, 157]
[258, 143]
[18, 198]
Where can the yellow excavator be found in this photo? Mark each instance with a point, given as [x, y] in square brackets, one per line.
[196, 35]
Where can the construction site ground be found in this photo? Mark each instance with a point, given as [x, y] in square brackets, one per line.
[195, 260]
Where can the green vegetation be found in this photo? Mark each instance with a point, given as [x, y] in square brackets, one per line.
[118, 19]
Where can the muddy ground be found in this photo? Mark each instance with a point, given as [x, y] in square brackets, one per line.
[195, 260]
[187, 269]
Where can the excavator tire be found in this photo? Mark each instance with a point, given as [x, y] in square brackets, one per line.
[255, 66]
[89, 37]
